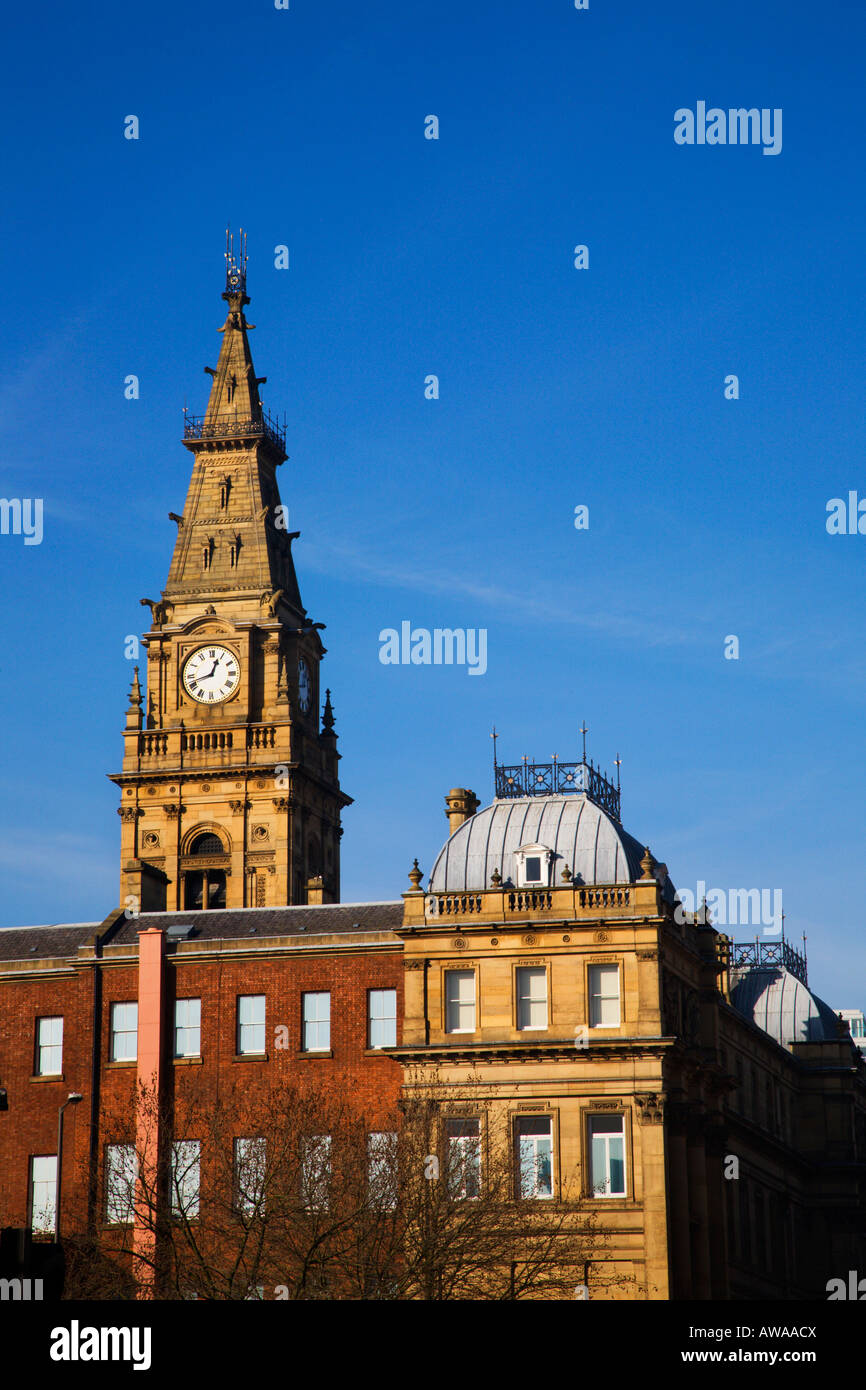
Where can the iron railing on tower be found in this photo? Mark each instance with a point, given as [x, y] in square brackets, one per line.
[262, 425]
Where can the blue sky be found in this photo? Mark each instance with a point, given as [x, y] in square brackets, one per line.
[558, 387]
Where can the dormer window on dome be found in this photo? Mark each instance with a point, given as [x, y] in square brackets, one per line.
[532, 864]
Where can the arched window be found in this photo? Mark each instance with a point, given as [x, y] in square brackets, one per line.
[207, 843]
[205, 888]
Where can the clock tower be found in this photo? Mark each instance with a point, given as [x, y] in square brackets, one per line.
[230, 794]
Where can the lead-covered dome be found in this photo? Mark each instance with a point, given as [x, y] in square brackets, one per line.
[783, 1006]
[574, 830]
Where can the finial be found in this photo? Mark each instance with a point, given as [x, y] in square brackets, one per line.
[135, 689]
[496, 878]
[494, 736]
[566, 874]
[415, 876]
[647, 865]
[328, 718]
[618, 761]
[584, 730]
[236, 265]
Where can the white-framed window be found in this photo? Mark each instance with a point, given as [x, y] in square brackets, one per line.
[187, 1027]
[604, 1004]
[463, 1157]
[43, 1193]
[382, 1170]
[249, 1175]
[251, 1024]
[316, 1171]
[532, 863]
[607, 1155]
[317, 1022]
[49, 1046]
[124, 1032]
[460, 1001]
[534, 1137]
[383, 1017]
[185, 1178]
[531, 997]
[121, 1170]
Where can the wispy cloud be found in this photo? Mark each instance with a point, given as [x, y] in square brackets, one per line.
[539, 606]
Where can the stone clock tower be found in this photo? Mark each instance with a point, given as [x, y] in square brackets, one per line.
[230, 795]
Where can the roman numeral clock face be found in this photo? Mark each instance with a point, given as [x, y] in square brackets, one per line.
[211, 675]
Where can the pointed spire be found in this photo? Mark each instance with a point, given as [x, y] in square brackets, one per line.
[233, 533]
[234, 408]
[234, 393]
[327, 715]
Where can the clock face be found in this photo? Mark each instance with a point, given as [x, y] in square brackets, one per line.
[305, 687]
[211, 674]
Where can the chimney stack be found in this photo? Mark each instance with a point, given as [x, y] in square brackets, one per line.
[460, 804]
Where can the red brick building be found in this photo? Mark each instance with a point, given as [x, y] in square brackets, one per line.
[251, 976]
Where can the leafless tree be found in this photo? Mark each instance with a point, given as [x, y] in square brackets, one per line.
[298, 1195]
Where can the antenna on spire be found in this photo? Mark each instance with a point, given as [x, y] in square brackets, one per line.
[584, 730]
[618, 761]
[494, 736]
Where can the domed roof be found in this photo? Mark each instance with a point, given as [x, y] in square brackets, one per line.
[783, 1006]
[593, 845]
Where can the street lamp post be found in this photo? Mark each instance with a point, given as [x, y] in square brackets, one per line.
[72, 1099]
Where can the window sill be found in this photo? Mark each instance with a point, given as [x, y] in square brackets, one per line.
[187, 1061]
[305, 1056]
[49, 1076]
[379, 1051]
[250, 1057]
[118, 1066]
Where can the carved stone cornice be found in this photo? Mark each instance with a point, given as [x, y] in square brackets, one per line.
[238, 807]
[281, 803]
[130, 813]
[173, 809]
